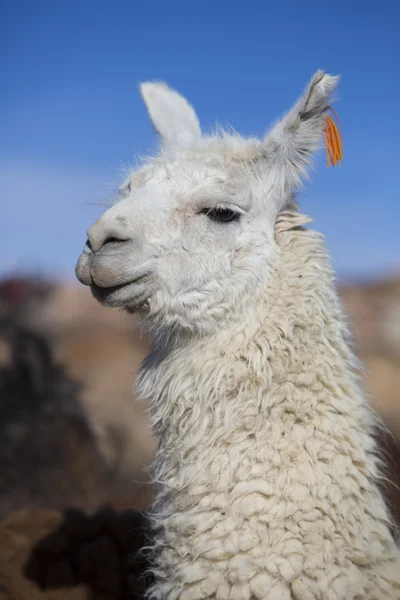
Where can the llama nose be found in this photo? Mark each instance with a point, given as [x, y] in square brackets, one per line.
[101, 234]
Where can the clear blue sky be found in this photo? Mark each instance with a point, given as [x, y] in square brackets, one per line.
[71, 115]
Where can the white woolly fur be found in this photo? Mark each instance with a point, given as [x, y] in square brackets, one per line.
[266, 465]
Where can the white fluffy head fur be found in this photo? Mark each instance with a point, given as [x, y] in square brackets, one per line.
[199, 273]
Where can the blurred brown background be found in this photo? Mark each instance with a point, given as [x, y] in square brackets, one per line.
[72, 434]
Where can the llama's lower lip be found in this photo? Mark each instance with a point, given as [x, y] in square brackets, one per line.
[132, 294]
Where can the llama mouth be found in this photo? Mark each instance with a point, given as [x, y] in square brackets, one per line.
[131, 296]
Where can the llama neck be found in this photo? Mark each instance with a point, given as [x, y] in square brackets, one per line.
[269, 368]
[265, 437]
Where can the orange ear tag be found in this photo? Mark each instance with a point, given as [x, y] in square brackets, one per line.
[333, 140]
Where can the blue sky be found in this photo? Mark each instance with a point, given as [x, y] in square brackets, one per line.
[71, 116]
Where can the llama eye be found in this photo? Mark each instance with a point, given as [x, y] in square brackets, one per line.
[222, 215]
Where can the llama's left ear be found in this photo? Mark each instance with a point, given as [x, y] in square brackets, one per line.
[289, 146]
[172, 116]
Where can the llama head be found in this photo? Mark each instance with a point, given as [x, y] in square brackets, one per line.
[190, 239]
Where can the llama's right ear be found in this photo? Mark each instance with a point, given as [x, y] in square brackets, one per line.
[289, 147]
[172, 116]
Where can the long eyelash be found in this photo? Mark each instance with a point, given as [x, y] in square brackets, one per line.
[222, 215]
[206, 211]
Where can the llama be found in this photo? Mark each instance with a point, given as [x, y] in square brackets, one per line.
[266, 465]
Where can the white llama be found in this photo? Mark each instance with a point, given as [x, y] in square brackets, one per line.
[266, 461]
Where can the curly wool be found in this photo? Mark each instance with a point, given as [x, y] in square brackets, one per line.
[266, 463]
